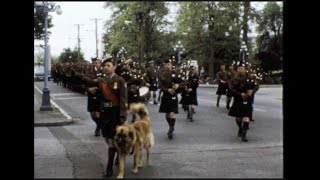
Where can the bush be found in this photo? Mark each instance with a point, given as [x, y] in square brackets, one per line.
[268, 80]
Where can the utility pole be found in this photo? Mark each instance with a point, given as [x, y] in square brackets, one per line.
[78, 41]
[97, 51]
[211, 34]
[141, 17]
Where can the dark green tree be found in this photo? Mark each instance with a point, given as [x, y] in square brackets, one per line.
[270, 26]
[68, 56]
[269, 43]
[39, 30]
[124, 28]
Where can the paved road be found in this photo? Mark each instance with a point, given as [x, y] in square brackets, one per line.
[205, 148]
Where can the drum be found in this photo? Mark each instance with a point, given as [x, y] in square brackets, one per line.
[145, 94]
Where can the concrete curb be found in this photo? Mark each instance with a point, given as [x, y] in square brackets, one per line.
[261, 85]
[54, 121]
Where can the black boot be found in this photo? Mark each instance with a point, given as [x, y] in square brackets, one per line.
[98, 126]
[218, 100]
[155, 99]
[184, 107]
[240, 127]
[111, 154]
[228, 103]
[171, 122]
[97, 131]
[244, 131]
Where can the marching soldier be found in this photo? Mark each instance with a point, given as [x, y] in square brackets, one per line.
[94, 97]
[184, 71]
[256, 76]
[170, 81]
[134, 80]
[114, 106]
[189, 94]
[152, 75]
[222, 79]
[230, 74]
[160, 69]
[241, 87]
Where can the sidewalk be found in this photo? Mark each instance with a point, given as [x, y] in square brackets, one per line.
[48, 118]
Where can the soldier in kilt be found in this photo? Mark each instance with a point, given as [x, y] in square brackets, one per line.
[189, 93]
[241, 87]
[152, 75]
[222, 80]
[134, 79]
[94, 96]
[230, 74]
[256, 76]
[170, 84]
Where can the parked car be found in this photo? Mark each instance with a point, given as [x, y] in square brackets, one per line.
[39, 73]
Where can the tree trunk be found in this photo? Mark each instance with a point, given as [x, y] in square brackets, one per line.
[245, 26]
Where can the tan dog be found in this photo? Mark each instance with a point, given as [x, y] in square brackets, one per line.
[131, 137]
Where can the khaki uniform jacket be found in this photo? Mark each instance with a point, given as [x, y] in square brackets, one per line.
[118, 87]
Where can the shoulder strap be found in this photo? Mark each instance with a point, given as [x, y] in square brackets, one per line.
[108, 93]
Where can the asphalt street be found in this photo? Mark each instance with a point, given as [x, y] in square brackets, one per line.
[206, 148]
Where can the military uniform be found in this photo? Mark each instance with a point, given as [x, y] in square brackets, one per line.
[94, 99]
[114, 106]
[134, 83]
[134, 79]
[255, 76]
[190, 97]
[152, 79]
[169, 102]
[242, 107]
[230, 75]
[223, 86]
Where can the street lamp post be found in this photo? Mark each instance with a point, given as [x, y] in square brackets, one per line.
[180, 49]
[122, 52]
[243, 52]
[46, 7]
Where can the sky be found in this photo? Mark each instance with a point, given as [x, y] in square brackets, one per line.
[64, 33]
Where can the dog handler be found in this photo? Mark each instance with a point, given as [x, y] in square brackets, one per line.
[114, 107]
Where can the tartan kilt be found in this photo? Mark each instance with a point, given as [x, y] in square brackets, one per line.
[94, 102]
[240, 109]
[169, 103]
[189, 99]
[222, 89]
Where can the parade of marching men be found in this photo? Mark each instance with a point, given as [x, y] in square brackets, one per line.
[143, 94]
